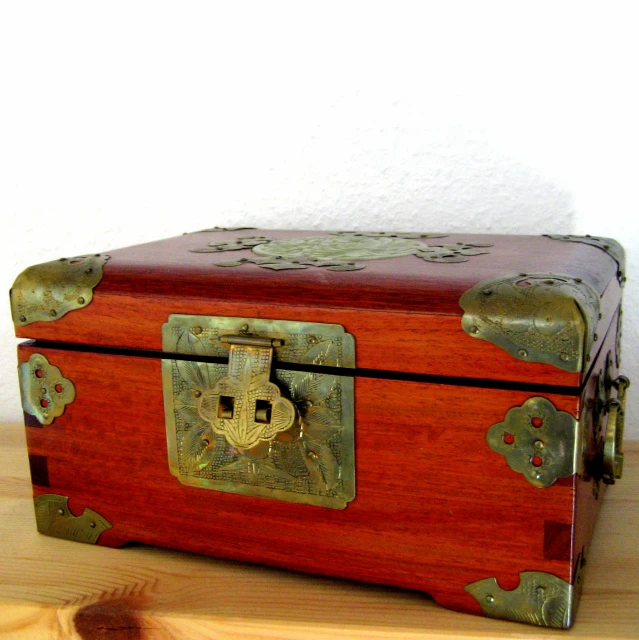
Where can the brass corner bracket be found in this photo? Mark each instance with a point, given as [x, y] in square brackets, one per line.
[46, 292]
[537, 441]
[609, 245]
[541, 598]
[53, 518]
[537, 317]
[45, 391]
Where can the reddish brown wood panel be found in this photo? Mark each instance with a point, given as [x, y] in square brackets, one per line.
[435, 508]
[404, 312]
[589, 493]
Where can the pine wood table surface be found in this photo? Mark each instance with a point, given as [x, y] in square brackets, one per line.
[56, 589]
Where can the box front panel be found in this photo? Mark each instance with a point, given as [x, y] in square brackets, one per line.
[435, 507]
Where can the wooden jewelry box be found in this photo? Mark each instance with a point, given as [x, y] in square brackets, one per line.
[435, 412]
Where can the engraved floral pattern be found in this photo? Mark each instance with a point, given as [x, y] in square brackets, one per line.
[341, 251]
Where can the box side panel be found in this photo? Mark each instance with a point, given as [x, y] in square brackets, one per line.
[436, 509]
[589, 486]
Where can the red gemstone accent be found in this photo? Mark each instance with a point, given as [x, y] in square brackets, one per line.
[39, 373]
[44, 403]
[536, 422]
[509, 438]
[537, 461]
[58, 388]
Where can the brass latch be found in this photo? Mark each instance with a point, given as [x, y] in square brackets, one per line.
[613, 442]
[244, 406]
[240, 419]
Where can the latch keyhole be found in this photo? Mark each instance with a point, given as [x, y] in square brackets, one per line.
[225, 407]
[263, 410]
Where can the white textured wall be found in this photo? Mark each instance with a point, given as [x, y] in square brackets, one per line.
[126, 122]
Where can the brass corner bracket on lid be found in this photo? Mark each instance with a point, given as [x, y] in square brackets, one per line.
[609, 245]
[536, 317]
[46, 292]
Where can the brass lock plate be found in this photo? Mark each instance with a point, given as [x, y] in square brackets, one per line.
[245, 426]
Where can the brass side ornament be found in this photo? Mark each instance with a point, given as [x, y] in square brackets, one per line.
[248, 427]
[610, 246]
[537, 317]
[45, 391]
[53, 518]
[541, 598]
[340, 251]
[537, 441]
[48, 291]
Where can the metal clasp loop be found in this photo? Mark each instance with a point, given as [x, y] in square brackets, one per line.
[613, 442]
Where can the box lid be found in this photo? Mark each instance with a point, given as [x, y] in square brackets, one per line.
[521, 309]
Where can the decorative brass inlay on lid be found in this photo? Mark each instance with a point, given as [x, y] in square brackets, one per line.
[537, 441]
[244, 427]
[541, 598]
[340, 251]
[538, 317]
[54, 518]
[610, 246]
[45, 391]
[46, 292]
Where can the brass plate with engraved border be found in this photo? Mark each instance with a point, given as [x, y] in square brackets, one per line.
[311, 462]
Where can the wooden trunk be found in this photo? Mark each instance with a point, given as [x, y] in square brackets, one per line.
[443, 410]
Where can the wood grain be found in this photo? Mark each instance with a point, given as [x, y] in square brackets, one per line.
[54, 589]
[404, 312]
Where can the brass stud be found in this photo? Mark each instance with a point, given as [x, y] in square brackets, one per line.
[564, 356]
[61, 512]
[81, 300]
[311, 455]
[53, 313]
[197, 330]
[92, 525]
[474, 329]
[206, 442]
[197, 393]
[23, 318]
[595, 337]
[539, 444]
[490, 598]
[522, 353]
[244, 328]
[541, 591]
